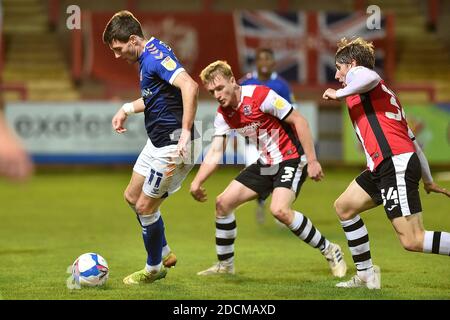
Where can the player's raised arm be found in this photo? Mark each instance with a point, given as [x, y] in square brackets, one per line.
[122, 114]
[189, 93]
[208, 166]
[354, 79]
[358, 80]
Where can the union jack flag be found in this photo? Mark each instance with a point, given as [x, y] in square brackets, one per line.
[304, 43]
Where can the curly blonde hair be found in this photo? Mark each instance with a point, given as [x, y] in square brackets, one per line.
[358, 49]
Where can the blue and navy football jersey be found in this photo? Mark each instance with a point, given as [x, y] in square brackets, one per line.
[276, 83]
[163, 101]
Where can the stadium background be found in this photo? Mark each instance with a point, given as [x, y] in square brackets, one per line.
[62, 86]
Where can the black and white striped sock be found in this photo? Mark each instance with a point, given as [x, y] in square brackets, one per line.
[226, 232]
[436, 242]
[358, 242]
[303, 228]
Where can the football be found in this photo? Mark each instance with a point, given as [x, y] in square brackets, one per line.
[90, 269]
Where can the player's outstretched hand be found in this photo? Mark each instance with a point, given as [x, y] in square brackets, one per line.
[433, 187]
[329, 94]
[198, 193]
[315, 170]
[184, 143]
[15, 164]
[118, 120]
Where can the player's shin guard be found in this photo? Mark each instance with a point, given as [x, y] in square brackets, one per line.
[166, 248]
[358, 242]
[436, 242]
[153, 236]
[226, 232]
[303, 228]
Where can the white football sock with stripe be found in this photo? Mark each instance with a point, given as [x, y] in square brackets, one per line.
[436, 242]
[358, 243]
[303, 228]
[226, 232]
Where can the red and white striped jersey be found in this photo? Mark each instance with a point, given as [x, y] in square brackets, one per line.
[259, 117]
[380, 124]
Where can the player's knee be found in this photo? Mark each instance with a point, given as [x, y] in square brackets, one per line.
[140, 209]
[130, 197]
[281, 214]
[411, 244]
[342, 210]
[144, 208]
[223, 207]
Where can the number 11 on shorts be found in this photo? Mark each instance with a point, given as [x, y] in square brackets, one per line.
[158, 175]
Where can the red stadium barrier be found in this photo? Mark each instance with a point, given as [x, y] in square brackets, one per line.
[1, 51]
[432, 13]
[391, 48]
[428, 89]
[53, 12]
[77, 54]
[15, 87]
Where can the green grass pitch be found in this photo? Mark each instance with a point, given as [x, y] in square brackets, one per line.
[46, 223]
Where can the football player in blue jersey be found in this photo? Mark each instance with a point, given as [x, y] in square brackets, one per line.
[169, 102]
[264, 75]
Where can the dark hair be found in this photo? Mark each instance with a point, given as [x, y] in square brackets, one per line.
[357, 49]
[121, 26]
[264, 50]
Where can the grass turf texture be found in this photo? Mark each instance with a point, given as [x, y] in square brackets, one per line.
[46, 223]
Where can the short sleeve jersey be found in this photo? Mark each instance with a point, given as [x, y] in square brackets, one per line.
[259, 116]
[163, 101]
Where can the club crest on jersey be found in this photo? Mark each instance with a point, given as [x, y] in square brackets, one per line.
[279, 103]
[169, 64]
[247, 109]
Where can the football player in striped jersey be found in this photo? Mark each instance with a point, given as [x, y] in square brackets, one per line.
[395, 164]
[287, 158]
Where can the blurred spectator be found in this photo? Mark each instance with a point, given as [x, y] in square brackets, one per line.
[265, 75]
[15, 163]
